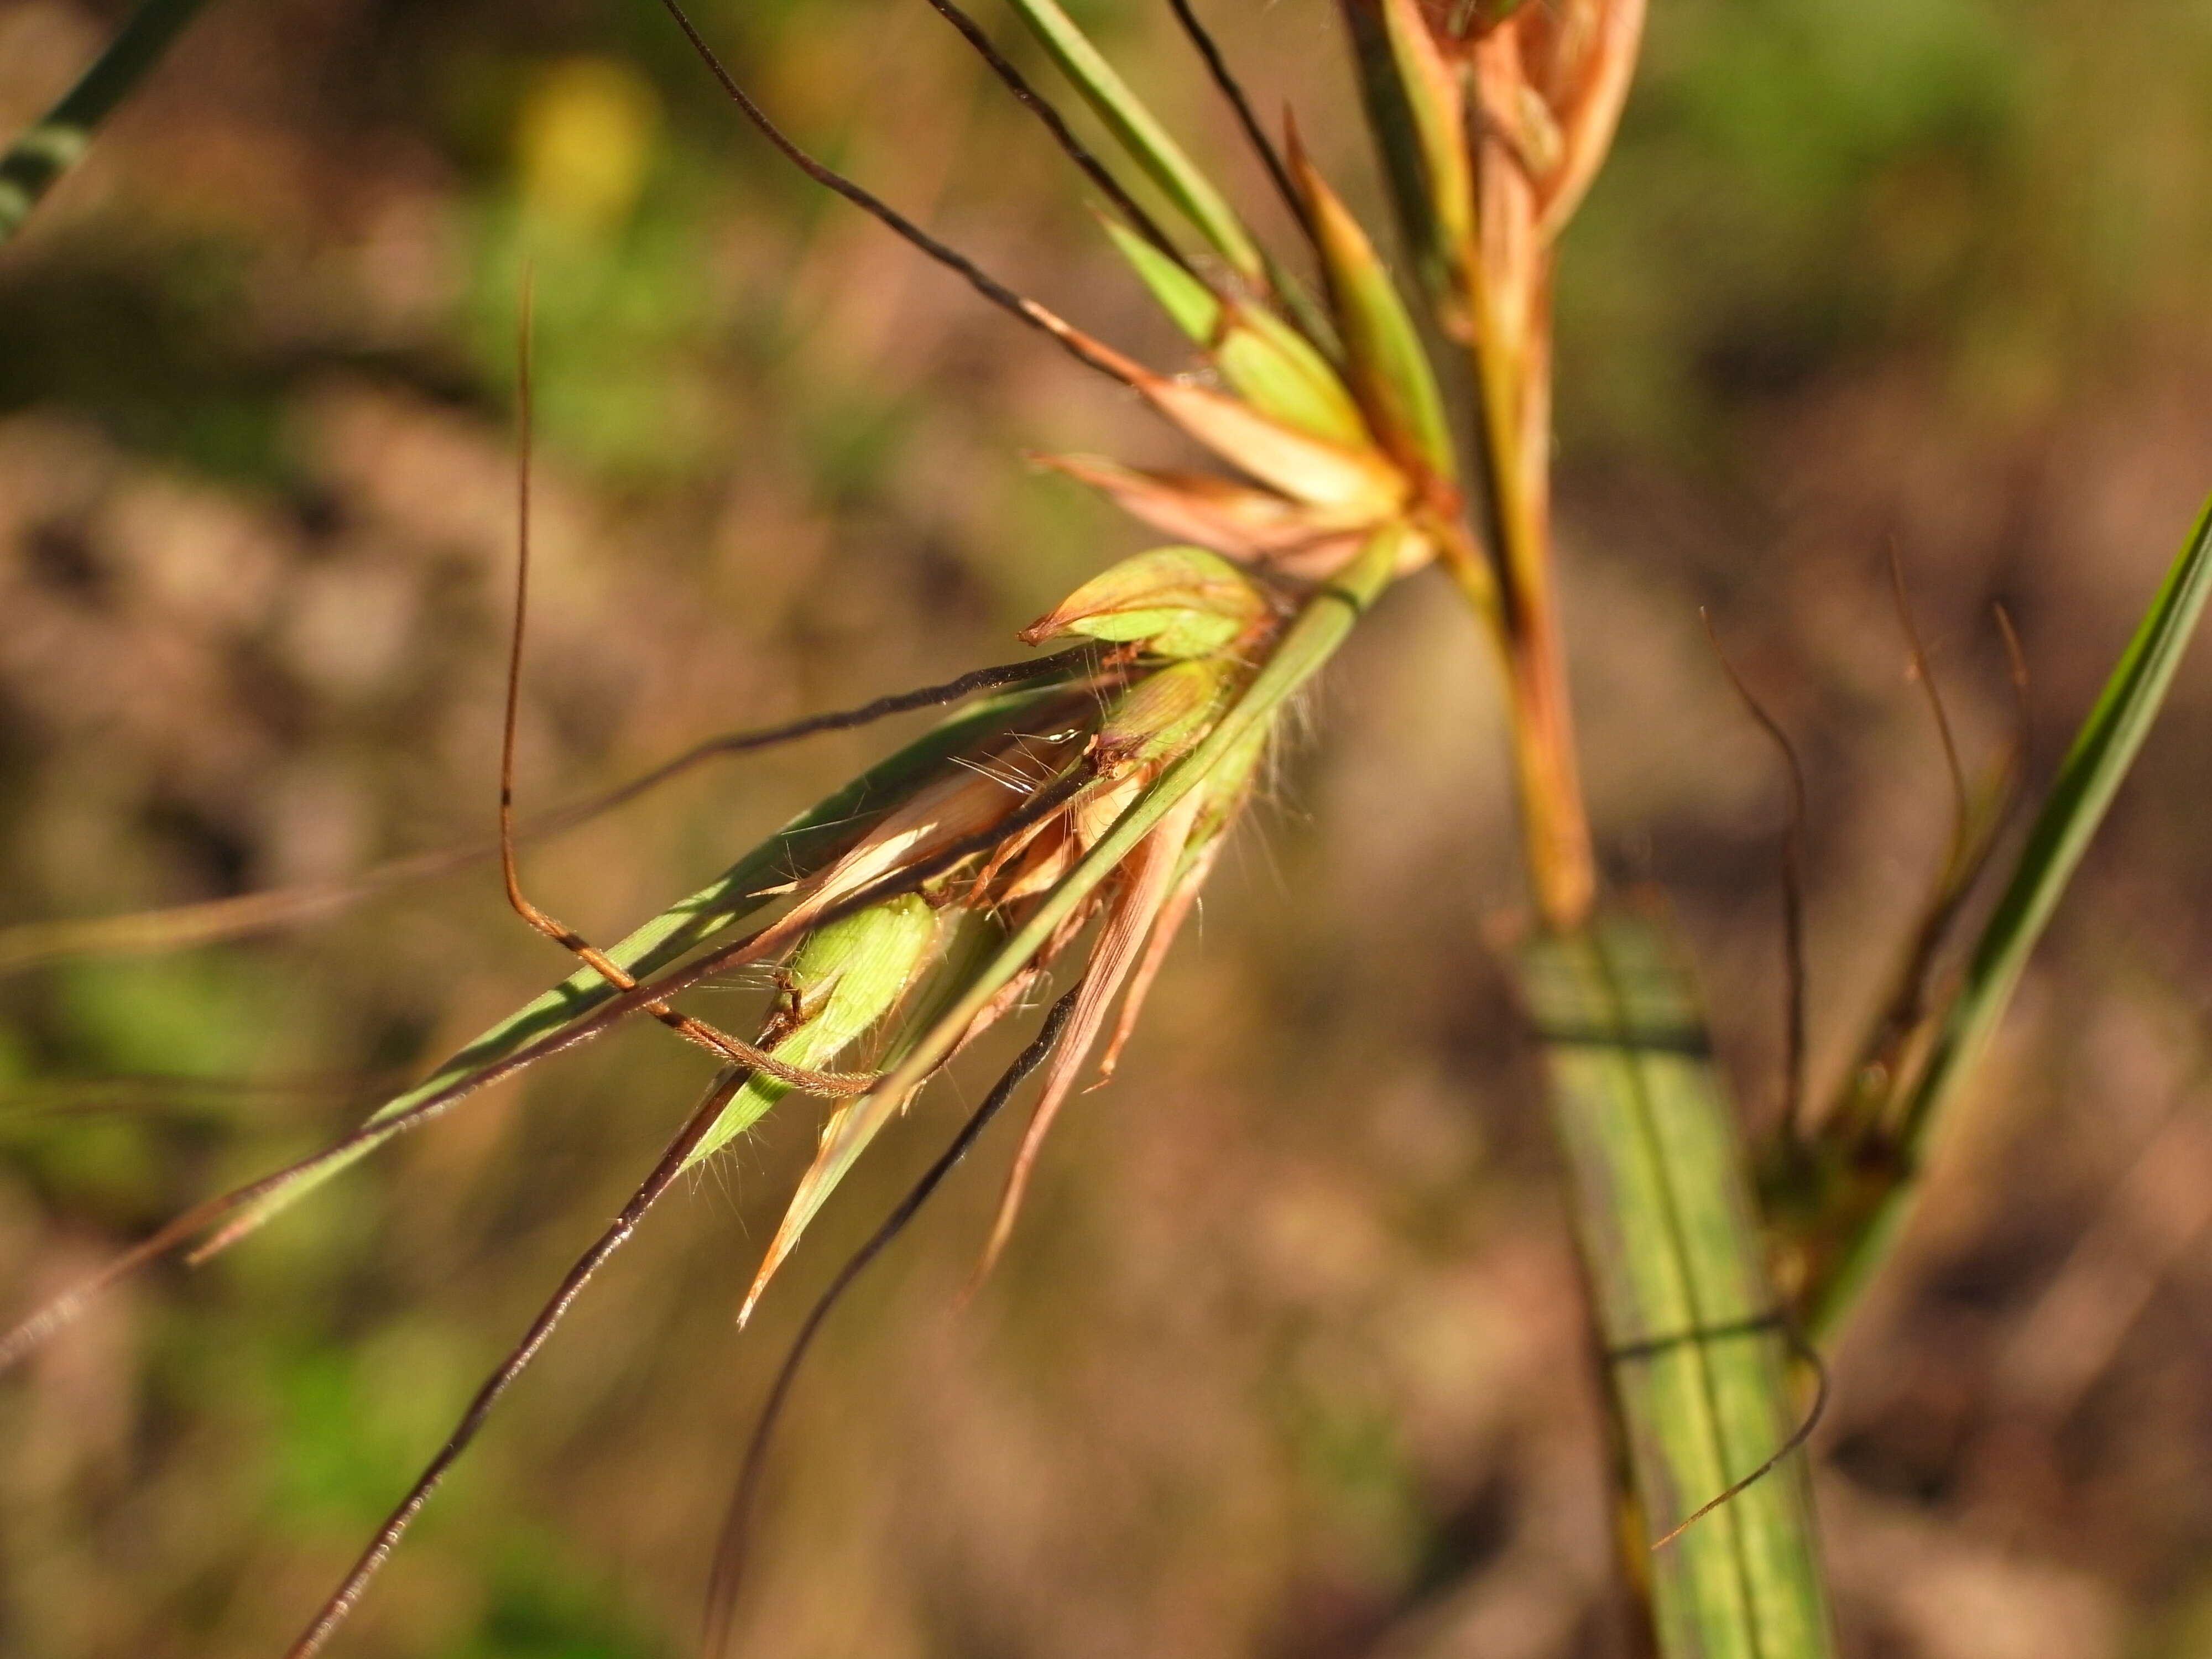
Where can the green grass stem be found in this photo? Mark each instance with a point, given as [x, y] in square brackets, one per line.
[1694, 1350]
[59, 139]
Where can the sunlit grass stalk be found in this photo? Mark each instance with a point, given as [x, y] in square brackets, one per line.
[1693, 1340]
[1492, 127]
[1488, 135]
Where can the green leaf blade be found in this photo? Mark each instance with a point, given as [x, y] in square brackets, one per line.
[1396, 128]
[1191, 306]
[2099, 760]
[1695, 1353]
[1390, 366]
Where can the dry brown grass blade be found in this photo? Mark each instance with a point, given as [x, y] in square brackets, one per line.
[1146, 880]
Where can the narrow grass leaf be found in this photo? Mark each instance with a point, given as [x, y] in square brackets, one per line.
[1694, 1349]
[2102, 751]
[1397, 134]
[1436, 103]
[1191, 306]
[1389, 369]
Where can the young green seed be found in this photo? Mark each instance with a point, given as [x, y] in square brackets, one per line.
[1175, 601]
[845, 976]
[1164, 716]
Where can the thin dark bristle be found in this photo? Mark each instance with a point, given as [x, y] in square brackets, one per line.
[1793, 898]
[333, 1612]
[718, 1042]
[213, 920]
[1970, 850]
[1925, 670]
[523, 402]
[1225, 80]
[1803, 1350]
[898, 703]
[1038, 105]
[33, 1330]
[727, 1576]
[829, 178]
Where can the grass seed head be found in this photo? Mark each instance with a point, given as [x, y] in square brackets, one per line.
[846, 977]
[1164, 715]
[1175, 601]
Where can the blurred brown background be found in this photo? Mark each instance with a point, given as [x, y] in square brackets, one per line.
[1287, 1359]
